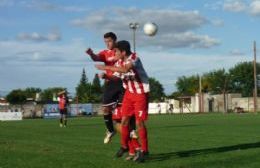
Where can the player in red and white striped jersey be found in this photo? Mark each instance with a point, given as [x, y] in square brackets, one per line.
[135, 80]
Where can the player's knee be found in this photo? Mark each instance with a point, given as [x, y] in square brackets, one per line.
[106, 110]
[118, 127]
[125, 121]
[140, 124]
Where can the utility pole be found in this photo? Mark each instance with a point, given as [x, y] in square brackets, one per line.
[224, 94]
[200, 94]
[255, 80]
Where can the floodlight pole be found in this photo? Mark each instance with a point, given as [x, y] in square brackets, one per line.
[255, 80]
[134, 27]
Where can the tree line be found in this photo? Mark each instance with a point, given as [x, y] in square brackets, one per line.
[238, 79]
[86, 92]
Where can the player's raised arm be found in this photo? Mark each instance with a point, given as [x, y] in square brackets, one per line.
[104, 76]
[124, 69]
[93, 56]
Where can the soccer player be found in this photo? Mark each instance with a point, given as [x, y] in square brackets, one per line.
[113, 90]
[135, 81]
[63, 107]
[133, 144]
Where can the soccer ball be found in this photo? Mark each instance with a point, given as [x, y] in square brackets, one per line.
[150, 29]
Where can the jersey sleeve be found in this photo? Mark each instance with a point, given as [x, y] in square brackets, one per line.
[102, 55]
[135, 61]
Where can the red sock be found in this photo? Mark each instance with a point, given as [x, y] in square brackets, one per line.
[124, 136]
[131, 147]
[144, 139]
[135, 143]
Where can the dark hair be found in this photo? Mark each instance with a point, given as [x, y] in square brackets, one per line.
[124, 46]
[111, 35]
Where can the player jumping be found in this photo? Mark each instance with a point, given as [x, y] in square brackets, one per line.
[135, 81]
[113, 90]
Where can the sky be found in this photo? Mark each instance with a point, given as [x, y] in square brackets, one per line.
[43, 42]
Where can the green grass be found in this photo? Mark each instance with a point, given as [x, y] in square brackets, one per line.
[212, 140]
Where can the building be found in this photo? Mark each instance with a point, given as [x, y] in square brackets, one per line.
[3, 102]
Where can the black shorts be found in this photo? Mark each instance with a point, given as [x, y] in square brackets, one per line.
[113, 93]
[63, 111]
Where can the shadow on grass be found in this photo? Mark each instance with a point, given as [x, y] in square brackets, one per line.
[177, 126]
[84, 125]
[190, 153]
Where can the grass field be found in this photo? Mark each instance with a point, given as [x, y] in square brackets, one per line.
[209, 140]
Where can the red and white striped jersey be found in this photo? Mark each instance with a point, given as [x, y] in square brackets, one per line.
[136, 80]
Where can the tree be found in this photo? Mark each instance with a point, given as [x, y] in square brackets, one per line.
[242, 78]
[188, 85]
[156, 90]
[216, 81]
[96, 89]
[83, 90]
[47, 94]
[17, 96]
[31, 92]
[239, 79]
[96, 86]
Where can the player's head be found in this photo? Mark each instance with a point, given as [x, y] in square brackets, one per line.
[123, 49]
[110, 40]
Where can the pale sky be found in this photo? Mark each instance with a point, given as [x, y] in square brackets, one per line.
[43, 42]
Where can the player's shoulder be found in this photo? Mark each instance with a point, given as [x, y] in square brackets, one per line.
[104, 51]
[133, 57]
[108, 52]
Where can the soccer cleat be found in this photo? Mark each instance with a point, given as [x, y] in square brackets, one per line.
[61, 125]
[121, 152]
[146, 154]
[108, 137]
[130, 157]
[139, 157]
[133, 134]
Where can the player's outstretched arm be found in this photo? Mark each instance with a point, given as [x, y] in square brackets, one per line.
[124, 69]
[104, 76]
[93, 56]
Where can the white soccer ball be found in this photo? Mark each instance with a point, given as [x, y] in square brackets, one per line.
[150, 29]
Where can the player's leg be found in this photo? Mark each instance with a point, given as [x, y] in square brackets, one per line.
[133, 134]
[65, 118]
[61, 118]
[117, 118]
[113, 97]
[107, 114]
[141, 114]
[124, 136]
[142, 130]
[132, 127]
[109, 100]
[143, 151]
[131, 151]
[117, 108]
[117, 125]
[126, 110]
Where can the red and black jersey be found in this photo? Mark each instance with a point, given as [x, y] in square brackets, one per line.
[107, 56]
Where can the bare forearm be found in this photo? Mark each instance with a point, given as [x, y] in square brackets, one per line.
[110, 77]
[117, 69]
